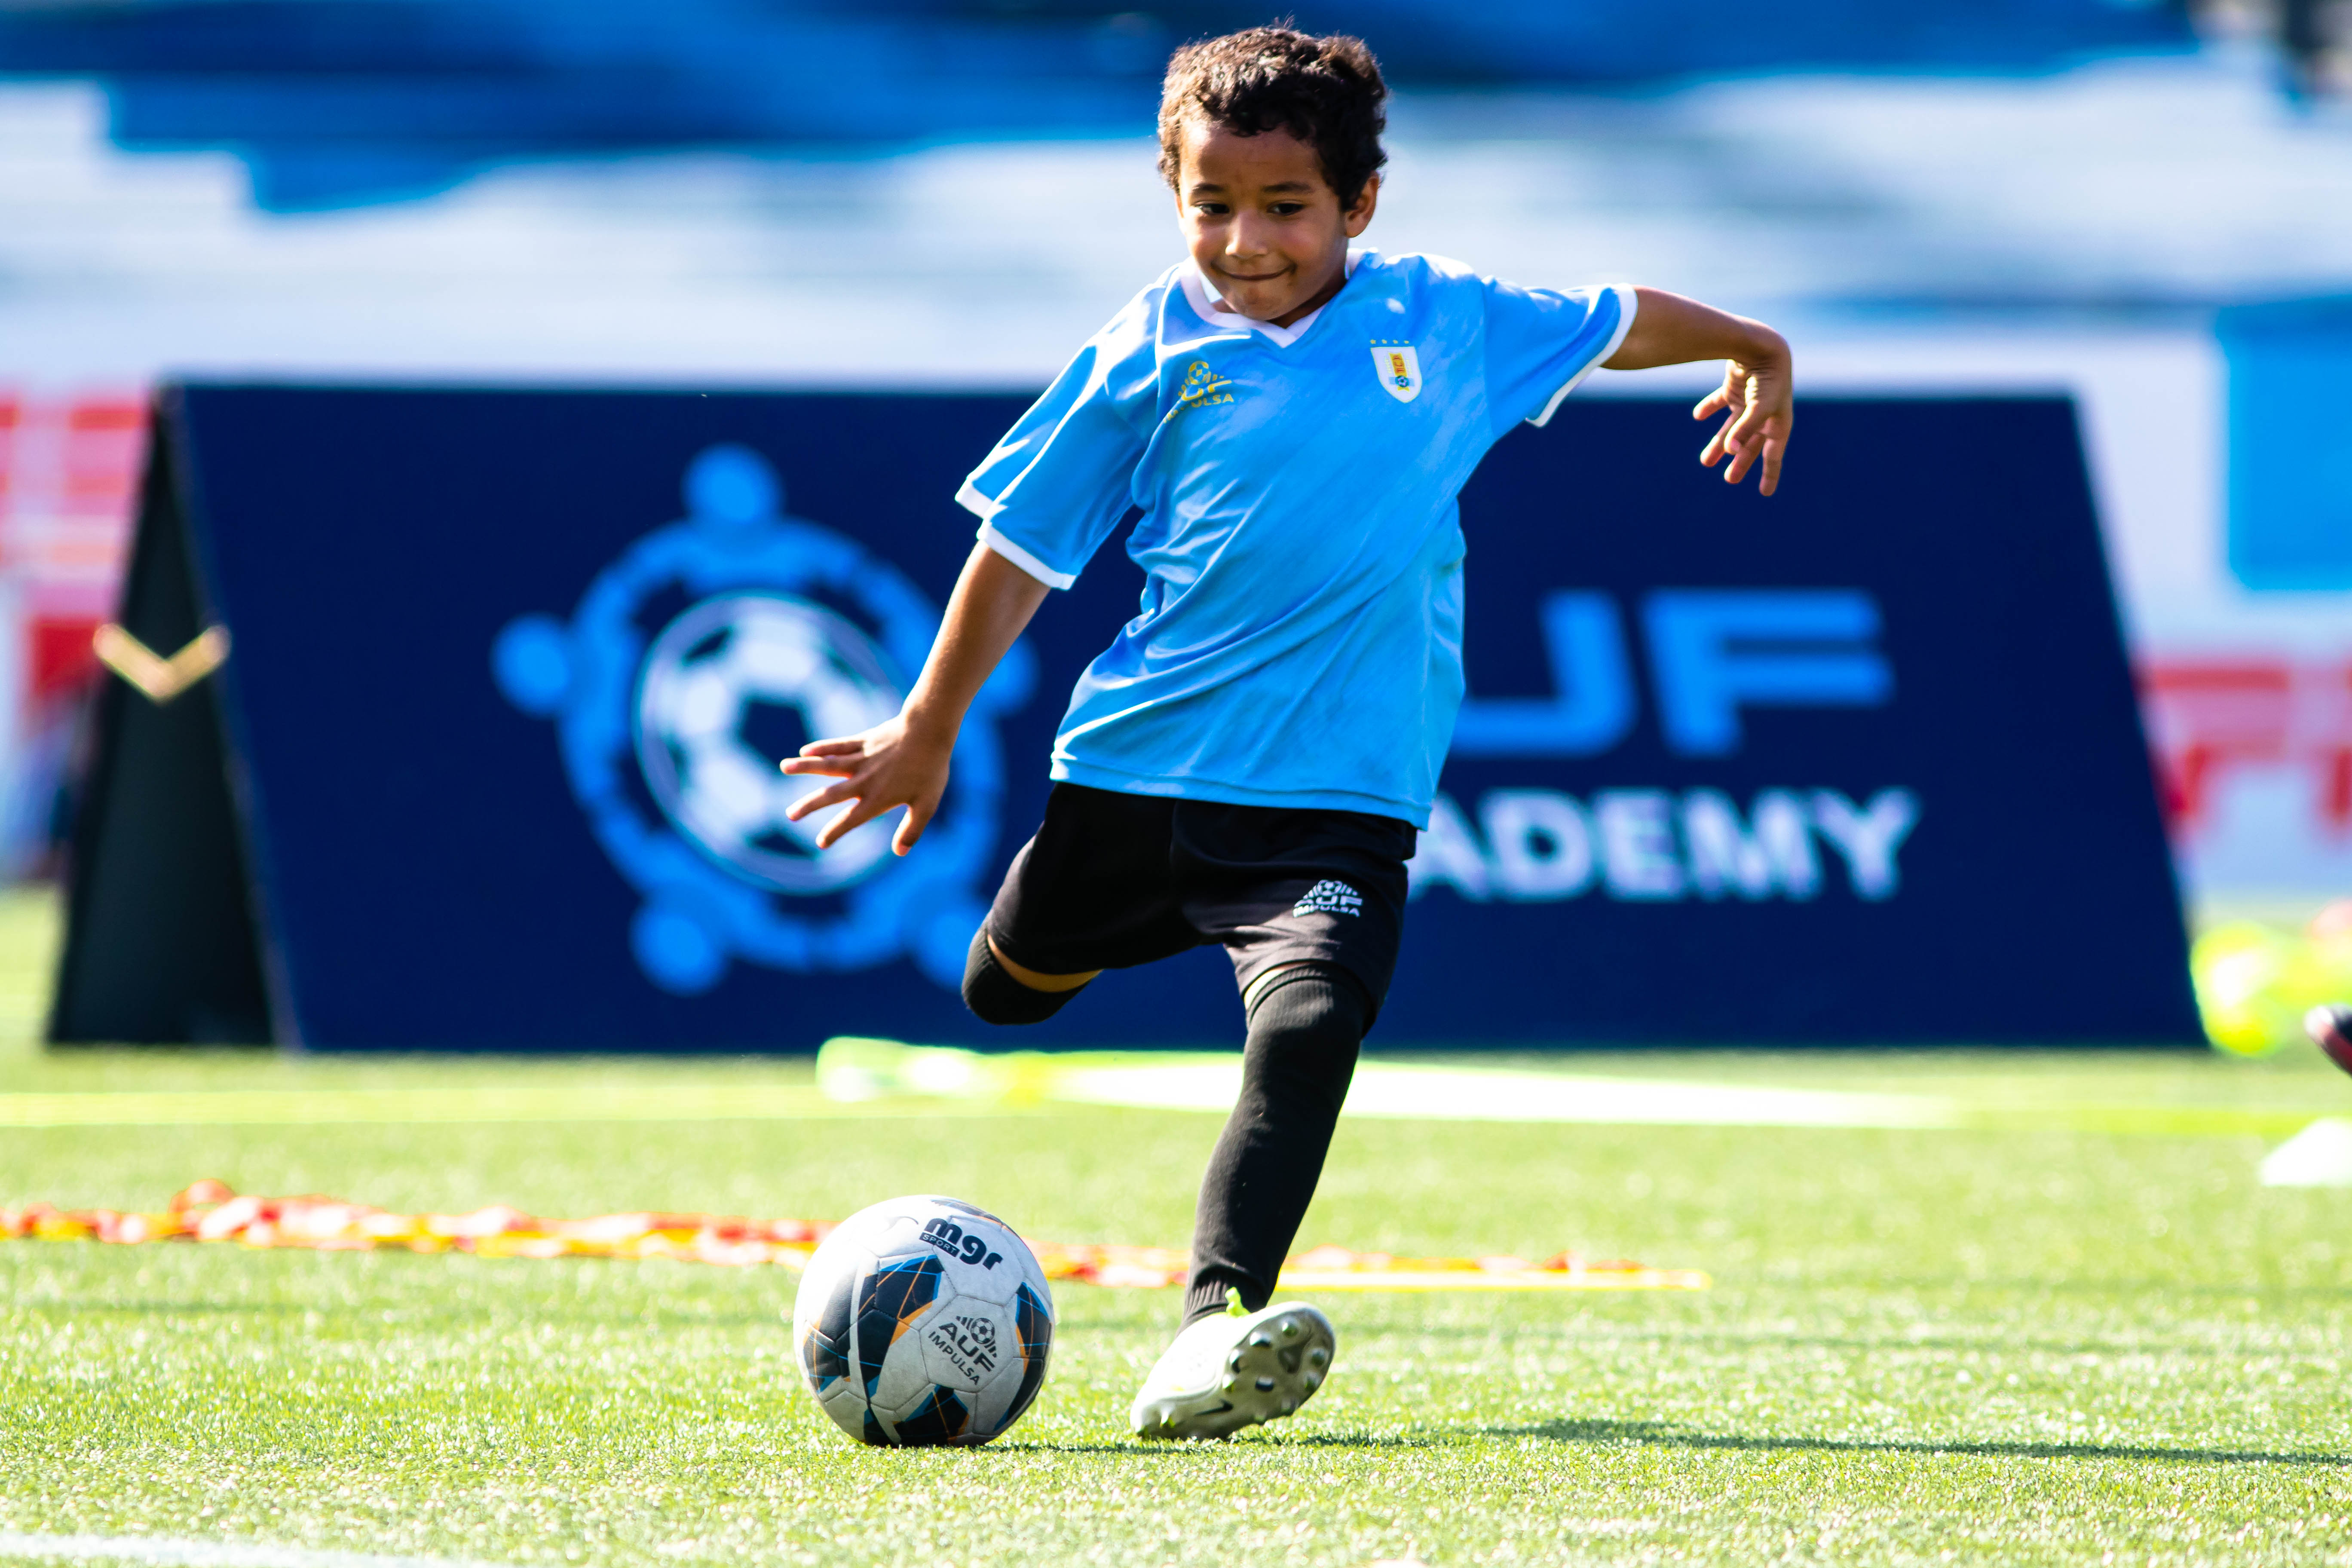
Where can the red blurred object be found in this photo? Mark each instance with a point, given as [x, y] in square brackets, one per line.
[2330, 1027]
[2210, 716]
[62, 658]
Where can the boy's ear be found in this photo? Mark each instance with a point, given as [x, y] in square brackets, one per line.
[1358, 218]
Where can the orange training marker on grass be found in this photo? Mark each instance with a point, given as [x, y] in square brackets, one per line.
[208, 1211]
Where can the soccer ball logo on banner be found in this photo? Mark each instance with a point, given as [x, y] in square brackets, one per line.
[730, 674]
[712, 649]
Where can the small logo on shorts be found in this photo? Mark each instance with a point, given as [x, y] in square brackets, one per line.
[1330, 897]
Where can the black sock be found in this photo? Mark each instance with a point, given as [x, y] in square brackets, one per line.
[995, 997]
[1304, 1030]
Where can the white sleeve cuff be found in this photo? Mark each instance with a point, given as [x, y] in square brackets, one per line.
[1626, 305]
[1018, 556]
[979, 506]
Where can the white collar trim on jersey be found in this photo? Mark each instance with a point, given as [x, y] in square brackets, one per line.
[1208, 305]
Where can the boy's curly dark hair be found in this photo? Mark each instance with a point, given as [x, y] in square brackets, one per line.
[1328, 92]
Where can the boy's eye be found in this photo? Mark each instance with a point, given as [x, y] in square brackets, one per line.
[1286, 209]
[1212, 209]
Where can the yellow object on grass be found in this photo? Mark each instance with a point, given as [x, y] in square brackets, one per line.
[2254, 982]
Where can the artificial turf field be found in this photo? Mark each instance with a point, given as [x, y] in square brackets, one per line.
[2080, 1332]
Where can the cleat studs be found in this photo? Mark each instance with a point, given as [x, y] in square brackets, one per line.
[1289, 1328]
[1233, 1361]
[1318, 1356]
[1314, 1382]
[1260, 1341]
[1265, 1386]
[1230, 1384]
[1288, 1406]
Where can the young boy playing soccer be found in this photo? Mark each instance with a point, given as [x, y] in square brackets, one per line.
[1249, 763]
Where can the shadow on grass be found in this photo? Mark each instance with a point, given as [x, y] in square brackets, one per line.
[1991, 1342]
[1248, 1441]
[1659, 1433]
[1119, 1450]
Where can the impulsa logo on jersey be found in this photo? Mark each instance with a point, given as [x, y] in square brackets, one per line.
[1398, 369]
[1203, 386]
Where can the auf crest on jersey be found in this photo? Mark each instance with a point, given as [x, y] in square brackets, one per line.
[1398, 366]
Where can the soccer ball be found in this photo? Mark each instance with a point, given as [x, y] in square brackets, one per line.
[923, 1321]
[729, 688]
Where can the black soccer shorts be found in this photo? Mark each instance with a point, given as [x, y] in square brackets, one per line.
[1114, 881]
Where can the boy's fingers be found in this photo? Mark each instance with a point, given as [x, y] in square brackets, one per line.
[857, 816]
[1711, 403]
[1766, 444]
[1747, 439]
[911, 829]
[854, 746]
[820, 800]
[1720, 443]
[832, 767]
[1752, 423]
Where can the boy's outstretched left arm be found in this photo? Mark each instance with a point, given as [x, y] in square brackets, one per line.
[1758, 394]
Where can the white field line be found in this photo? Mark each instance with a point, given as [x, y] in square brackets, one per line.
[205, 1553]
[2318, 1156]
[1382, 1090]
[1407, 1091]
[276, 1107]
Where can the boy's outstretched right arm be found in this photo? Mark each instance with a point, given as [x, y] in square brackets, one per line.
[903, 761]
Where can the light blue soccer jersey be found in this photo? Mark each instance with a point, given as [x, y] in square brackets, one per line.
[1299, 642]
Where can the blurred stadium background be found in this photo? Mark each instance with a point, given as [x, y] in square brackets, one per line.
[2057, 1307]
[2148, 206]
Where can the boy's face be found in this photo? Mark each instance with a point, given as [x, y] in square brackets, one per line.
[1263, 223]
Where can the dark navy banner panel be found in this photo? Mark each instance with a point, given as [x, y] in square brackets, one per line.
[1860, 761]
[511, 672]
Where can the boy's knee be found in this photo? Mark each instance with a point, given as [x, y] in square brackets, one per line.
[1305, 1025]
[1323, 1000]
[995, 997]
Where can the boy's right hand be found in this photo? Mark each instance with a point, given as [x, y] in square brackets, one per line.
[895, 764]
[903, 761]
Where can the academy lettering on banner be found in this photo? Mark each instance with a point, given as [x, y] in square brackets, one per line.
[1711, 654]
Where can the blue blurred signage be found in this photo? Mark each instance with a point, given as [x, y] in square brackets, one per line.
[1859, 762]
[331, 102]
[2290, 452]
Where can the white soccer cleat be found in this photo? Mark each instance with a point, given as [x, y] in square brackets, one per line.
[1235, 1370]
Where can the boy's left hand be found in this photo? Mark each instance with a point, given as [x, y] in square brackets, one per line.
[1759, 391]
[1758, 400]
